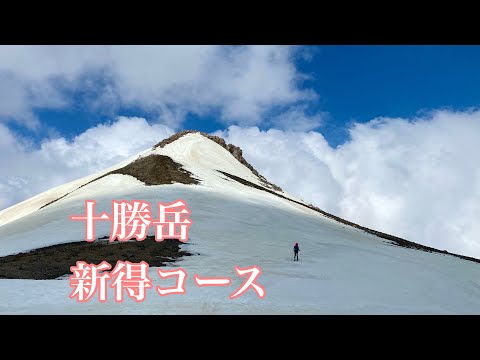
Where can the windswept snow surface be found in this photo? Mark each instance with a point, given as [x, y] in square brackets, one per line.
[342, 270]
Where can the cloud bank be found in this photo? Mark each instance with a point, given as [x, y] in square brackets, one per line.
[239, 84]
[418, 179]
[28, 170]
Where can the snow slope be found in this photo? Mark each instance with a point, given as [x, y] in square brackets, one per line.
[196, 153]
[342, 270]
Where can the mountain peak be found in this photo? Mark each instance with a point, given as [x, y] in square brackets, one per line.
[232, 149]
[192, 160]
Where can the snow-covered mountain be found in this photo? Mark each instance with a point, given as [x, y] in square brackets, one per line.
[238, 219]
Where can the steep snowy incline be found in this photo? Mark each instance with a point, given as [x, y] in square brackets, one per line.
[342, 269]
[198, 154]
[36, 202]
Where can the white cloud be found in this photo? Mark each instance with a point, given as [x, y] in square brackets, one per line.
[27, 171]
[33, 77]
[290, 160]
[296, 119]
[417, 179]
[18, 98]
[241, 83]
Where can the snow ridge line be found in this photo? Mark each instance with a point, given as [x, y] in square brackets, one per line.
[396, 240]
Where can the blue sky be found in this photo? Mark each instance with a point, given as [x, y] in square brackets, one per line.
[384, 136]
[354, 83]
[359, 83]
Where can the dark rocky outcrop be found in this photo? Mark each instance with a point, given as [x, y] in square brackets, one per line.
[54, 261]
[156, 170]
[151, 170]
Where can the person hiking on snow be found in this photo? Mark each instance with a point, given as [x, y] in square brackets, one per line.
[296, 249]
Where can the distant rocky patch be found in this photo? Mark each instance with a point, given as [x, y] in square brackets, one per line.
[156, 170]
[151, 170]
[55, 261]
